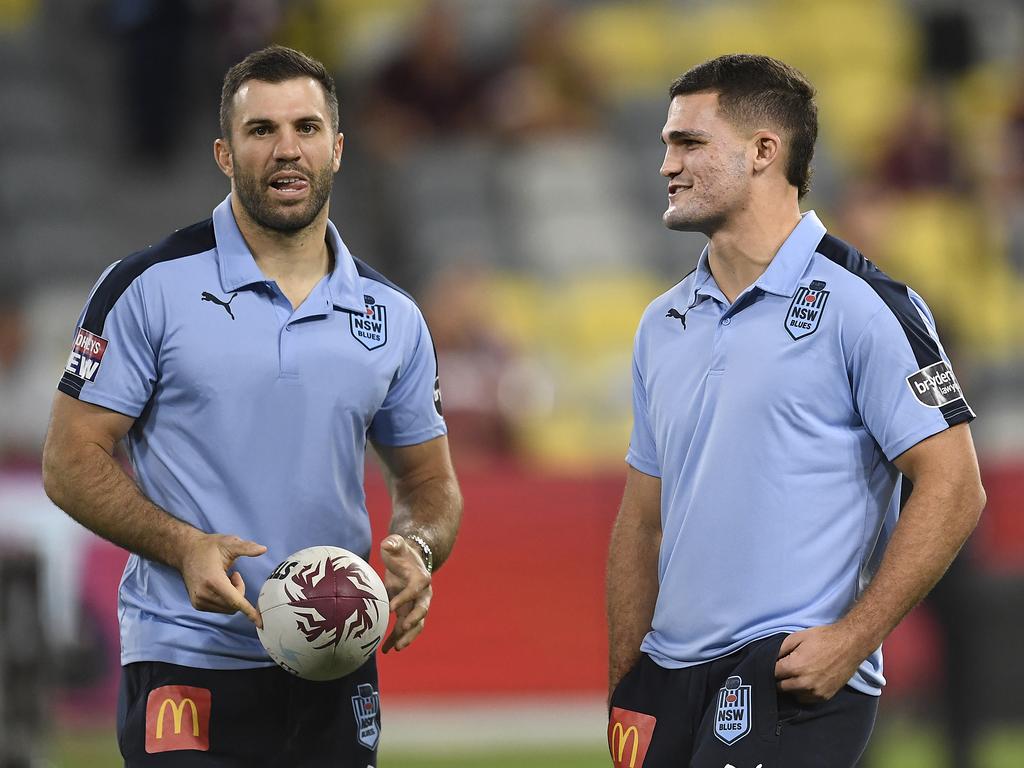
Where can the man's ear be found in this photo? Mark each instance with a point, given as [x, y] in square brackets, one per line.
[767, 149]
[339, 147]
[222, 154]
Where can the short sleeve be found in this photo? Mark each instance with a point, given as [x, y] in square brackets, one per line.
[643, 453]
[903, 383]
[411, 411]
[112, 361]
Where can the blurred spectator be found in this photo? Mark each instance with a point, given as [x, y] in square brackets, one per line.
[26, 381]
[921, 153]
[154, 42]
[429, 90]
[1011, 183]
[547, 86]
[863, 218]
[473, 358]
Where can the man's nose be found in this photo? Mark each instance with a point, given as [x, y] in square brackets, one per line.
[672, 164]
[287, 147]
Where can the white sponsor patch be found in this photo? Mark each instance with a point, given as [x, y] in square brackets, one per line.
[935, 385]
[86, 355]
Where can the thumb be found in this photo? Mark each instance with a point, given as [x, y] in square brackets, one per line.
[392, 545]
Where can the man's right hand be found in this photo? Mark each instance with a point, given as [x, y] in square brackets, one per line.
[204, 568]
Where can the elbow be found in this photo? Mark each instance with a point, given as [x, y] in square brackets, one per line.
[52, 473]
[978, 499]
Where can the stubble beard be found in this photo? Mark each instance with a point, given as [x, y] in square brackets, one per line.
[253, 194]
[710, 212]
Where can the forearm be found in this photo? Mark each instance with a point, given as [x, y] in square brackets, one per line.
[431, 508]
[88, 485]
[933, 526]
[632, 589]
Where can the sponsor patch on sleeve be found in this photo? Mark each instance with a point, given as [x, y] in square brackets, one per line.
[86, 355]
[935, 385]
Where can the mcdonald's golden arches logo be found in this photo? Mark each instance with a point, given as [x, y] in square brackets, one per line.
[178, 717]
[629, 736]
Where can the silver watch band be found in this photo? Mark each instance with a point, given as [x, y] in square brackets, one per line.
[428, 553]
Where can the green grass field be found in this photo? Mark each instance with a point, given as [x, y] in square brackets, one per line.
[898, 745]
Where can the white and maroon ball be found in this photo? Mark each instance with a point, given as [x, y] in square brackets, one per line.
[324, 611]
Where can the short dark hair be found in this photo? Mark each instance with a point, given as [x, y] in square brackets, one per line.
[756, 90]
[275, 64]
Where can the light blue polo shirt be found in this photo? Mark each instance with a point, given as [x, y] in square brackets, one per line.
[773, 423]
[251, 417]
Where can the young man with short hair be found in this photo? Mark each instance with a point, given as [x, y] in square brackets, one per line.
[760, 557]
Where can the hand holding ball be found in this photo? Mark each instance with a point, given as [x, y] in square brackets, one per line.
[324, 611]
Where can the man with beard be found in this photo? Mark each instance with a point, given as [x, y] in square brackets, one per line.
[760, 556]
[246, 359]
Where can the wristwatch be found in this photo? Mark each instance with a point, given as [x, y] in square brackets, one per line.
[428, 553]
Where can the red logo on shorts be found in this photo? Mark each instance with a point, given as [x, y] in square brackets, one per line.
[178, 717]
[629, 736]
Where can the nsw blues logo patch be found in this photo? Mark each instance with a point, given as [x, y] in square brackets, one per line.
[370, 329]
[366, 705]
[806, 309]
[733, 715]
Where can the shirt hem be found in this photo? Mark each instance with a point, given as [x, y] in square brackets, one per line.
[110, 403]
[643, 466]
[857, 682]
[414, 438]
[909, 441]
[192, 659]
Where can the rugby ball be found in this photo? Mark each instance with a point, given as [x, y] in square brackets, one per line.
[324, 612]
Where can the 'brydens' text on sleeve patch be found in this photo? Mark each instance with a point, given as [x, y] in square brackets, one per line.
[86, 354]
[935, 385]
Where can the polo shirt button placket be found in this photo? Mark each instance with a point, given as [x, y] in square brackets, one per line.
[726, 321]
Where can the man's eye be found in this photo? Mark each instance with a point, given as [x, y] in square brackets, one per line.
[260, 130]
[307, 128]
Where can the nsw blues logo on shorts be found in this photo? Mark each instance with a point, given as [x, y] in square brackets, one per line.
[366, 706]
[733, 714]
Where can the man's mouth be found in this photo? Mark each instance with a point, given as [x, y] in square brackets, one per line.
[289, 182]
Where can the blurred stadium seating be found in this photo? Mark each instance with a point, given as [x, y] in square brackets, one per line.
[530, 230]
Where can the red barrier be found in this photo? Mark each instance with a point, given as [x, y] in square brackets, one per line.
[519, 607]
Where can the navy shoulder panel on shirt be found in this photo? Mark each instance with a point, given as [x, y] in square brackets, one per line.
[189, 241]
[365, 270]
[896, 297]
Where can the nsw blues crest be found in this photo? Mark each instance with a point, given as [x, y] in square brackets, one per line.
[370, 329]
[366, 705]
[806, 309]
[734, 713]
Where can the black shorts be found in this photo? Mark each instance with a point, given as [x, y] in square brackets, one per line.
[168, 715]
[728, 712]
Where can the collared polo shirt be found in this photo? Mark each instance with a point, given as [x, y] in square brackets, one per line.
[251, 416]
[773, 423]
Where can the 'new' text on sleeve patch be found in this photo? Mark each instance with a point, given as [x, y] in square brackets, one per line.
[86, 355]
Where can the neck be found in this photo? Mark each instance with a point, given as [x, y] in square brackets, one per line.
[741, 251]
[286, 256]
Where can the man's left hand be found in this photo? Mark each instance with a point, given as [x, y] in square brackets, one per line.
[815, 663]
[408, 583]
